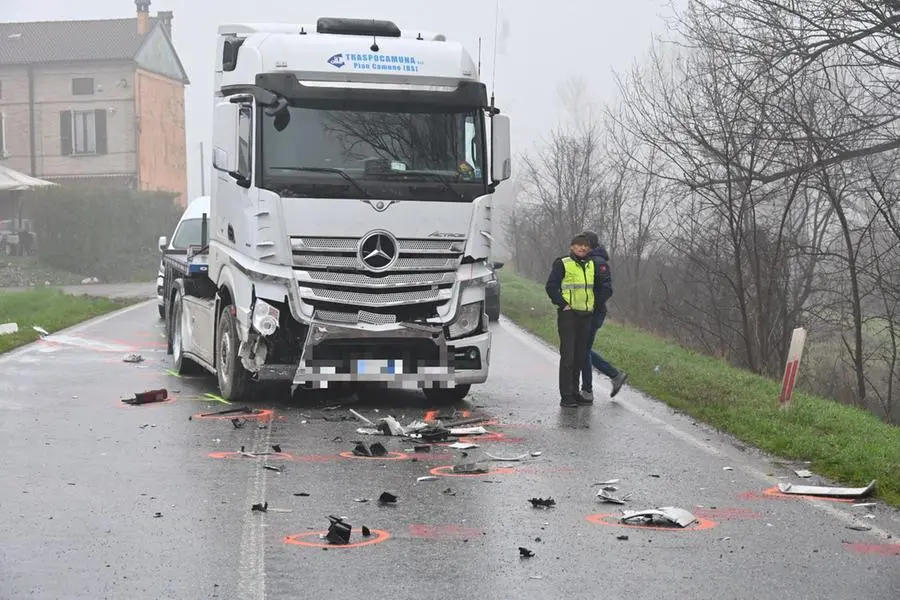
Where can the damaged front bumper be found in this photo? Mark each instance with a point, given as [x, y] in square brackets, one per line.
[412, 356]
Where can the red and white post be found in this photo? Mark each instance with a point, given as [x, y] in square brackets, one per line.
[795, 353]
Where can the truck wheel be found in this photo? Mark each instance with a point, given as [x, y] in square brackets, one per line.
[183, 365]
[233, 378]
[440, 395]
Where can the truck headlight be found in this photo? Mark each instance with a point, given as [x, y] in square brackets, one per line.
[467, 321]
[265, 317]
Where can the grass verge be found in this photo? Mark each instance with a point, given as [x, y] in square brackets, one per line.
[48, 308]
[843, 443]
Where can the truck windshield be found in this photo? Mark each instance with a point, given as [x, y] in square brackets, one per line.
[433, 156]
[189, 233]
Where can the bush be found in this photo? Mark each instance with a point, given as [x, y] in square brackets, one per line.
[106, 233]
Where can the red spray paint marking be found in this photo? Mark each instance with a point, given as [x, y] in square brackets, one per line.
[878, 549]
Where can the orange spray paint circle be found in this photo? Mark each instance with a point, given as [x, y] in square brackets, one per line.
[390, 456]
[612, 520]
[300, 539]
[445, 471]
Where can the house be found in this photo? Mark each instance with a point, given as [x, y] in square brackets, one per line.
[95, 102]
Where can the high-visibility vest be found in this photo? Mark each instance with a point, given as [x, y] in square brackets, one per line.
[578, 284]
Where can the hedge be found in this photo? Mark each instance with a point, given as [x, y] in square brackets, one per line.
[107, 233]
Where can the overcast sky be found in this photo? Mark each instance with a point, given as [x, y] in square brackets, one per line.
[540, 43]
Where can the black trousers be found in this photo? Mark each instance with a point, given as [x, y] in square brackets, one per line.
[574, 330]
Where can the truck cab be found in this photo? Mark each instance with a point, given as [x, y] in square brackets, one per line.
[350, 218]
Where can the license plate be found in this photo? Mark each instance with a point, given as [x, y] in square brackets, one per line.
[378, 367]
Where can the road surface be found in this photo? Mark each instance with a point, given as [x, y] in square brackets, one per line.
[105, 500]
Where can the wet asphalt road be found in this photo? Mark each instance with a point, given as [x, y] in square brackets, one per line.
[103, 500]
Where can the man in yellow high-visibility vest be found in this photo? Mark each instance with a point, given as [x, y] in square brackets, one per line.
[572, 287]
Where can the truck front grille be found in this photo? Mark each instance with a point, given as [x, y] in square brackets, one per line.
[333, 277]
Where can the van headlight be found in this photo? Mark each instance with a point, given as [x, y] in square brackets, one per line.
[467, 320]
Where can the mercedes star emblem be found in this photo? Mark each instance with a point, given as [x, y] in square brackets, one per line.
[378, 251]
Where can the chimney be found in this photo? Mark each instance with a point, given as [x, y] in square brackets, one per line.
[165, 19]
[143, 16]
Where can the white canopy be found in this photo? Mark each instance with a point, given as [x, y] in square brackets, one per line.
[12, 181]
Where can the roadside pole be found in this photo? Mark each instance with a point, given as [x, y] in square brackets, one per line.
[795, 353]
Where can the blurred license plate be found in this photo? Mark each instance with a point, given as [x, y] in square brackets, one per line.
[378, 367]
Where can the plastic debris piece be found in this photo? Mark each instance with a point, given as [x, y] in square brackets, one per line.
[301, 494]
[860, 504]
[276, 448]
[365, 531]
[604, 495]
[449, 492]
[132, 358]
[338, 531]
[859, 527]
[536, 453]
[507, 458]
[272, 468]
[7, 328]
[468, 431]
[260, 507]
[675, 516]
[608, 482]
[542, 502]
[471, 468]
[462, 445]
[387, 498]
[525, 552]
[728, 468]
[378, 449]
[360, 500]
[390, 426]
[427, 478]
[804, 473]
[821, 490]
[147, 397]
[622, 538]
[361, 418]
[361, 450]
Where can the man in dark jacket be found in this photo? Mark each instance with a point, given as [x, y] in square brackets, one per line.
[592, 358]
[573, 286]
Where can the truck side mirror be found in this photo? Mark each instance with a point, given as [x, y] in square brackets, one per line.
[501, 167]
[163, 242]
[225, 141]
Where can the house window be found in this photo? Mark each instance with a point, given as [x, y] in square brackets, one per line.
[83, 86]
[82, 132]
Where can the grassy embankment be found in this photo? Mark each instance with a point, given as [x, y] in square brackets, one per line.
[843, 443]
[48, 308]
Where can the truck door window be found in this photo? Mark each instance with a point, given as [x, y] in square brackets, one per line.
[245, 141]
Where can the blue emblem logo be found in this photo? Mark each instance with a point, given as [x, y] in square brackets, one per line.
[337, 61]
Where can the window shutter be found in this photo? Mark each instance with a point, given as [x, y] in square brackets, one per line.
[65, 132]
[100, 130]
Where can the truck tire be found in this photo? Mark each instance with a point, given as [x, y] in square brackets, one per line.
[440, 395]
[183, 365]
[234, 379]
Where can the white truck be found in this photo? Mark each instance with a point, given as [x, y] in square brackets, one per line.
[350, 215]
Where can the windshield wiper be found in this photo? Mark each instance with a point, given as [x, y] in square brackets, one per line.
[327, 170]
[436, 176]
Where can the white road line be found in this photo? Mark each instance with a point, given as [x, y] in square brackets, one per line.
[84, 325]
[252, 563]
[550, 353]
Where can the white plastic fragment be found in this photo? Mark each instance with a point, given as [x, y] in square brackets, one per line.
[462, 446]
[427, 478]
[7, 328]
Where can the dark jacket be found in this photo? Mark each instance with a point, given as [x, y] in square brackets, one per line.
[603, 289]
[554, 281]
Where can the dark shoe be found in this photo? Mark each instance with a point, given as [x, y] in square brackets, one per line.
[586, 397]
[568, 402]
[617, 383]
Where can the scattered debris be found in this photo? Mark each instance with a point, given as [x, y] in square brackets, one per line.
[821, 490]
[462, 445]
[675, 516]
[365, 531]
[276, 448]
[422, 448]
[7, 328]
[865, 504]
[608, 482]
[148, 397]
[728, 468]
[40, 330]
[604, 495]
[132, 358]
[272, 468]
[804, 473]
[338, 531]
[361, 418]
[337, 439]
[244, 410]
[427, 478]
[468, 430]
[157, 515]
[542, 502]
[376, 449]
[654, 475]
[536, 453]
[469, 468]
[387, 498]
[507, 459]
[525, 552]
[238, 423]
[449, 492]
[859, 527]
[622, 538]
[302, 494]
[361, 500]
[260, 507]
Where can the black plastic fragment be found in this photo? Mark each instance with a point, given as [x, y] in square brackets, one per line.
[542, 502]
[365, 531]
[525, 552]
[338, 531]
[387, 498]
[378, 449]
[260, 507]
